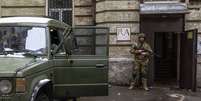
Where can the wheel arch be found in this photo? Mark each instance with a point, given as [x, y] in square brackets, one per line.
[42, 85]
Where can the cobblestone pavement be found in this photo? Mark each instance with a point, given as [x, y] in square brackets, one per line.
[117, 93]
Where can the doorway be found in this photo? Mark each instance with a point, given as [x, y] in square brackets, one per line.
[165, 64]
[156, 27]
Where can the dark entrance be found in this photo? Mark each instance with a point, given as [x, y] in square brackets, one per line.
[157, 26]
[165, 48]
[175, 59]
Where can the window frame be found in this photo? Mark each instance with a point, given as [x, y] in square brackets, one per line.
[72, 9]
[61, 38]
[46, 54]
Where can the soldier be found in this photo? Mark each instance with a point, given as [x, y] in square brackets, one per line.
[142, 53]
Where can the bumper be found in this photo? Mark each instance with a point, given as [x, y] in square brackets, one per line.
[5, 98]
[16, 97]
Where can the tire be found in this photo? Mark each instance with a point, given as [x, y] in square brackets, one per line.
[42, 97]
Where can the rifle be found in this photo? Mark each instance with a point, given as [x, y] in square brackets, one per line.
[144, 50]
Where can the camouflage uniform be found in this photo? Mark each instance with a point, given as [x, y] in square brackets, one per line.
[142, 52]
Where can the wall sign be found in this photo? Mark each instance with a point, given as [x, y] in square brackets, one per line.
[123, 34]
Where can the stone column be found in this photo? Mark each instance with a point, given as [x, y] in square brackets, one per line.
[193, 21]
[114, 14]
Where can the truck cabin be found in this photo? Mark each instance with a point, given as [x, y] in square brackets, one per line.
[30, 34]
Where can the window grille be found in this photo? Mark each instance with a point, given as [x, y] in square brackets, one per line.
[60, 10]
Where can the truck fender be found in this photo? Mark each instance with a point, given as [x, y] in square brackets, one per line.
[37, 88]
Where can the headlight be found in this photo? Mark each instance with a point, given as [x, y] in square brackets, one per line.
[20, 85]
[5, 86]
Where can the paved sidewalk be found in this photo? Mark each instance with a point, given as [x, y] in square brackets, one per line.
[117, 93]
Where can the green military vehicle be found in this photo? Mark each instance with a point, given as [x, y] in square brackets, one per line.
[42, 59]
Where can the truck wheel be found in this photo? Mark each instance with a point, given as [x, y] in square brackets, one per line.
[42, 97]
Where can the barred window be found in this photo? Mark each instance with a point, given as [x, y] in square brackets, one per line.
[60, 10]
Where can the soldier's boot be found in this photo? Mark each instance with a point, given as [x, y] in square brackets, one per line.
[131, 86]
[144, 82]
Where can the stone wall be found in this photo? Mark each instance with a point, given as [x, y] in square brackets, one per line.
[114, 14]
[193, 20]
[84, 12]
[22, 8]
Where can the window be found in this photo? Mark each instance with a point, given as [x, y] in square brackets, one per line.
[23, 39]
[55, 38]
[60, 10]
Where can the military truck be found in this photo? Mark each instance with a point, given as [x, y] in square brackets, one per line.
[42, 59]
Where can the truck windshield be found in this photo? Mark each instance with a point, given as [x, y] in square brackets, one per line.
[23, 39]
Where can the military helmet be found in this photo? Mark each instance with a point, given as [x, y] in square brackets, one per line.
[141, 35]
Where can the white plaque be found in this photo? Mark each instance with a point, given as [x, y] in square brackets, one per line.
[123, 34]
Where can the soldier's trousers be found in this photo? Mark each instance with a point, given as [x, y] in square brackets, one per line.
[140, 70]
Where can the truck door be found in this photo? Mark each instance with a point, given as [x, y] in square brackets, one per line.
[85, 72]
[188, 59]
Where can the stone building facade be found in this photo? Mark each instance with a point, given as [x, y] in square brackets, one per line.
[107, 13]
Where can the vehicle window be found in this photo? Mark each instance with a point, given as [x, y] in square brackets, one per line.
[23, 39]
[56, 37]
[91, 40]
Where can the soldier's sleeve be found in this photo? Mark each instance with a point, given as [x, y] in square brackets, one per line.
[148, 48]
[132, 50]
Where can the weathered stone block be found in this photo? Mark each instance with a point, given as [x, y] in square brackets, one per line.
[117, 5]
[83, 21]
[23, 2]
[23, 11]
[199, 58]
[199, 75]
[83, 11]
[135, 27]
[82, 2]
[193, 25]
[120, 70]
[0, 9]
[119, 52]
[194, 15]
[117, 16]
